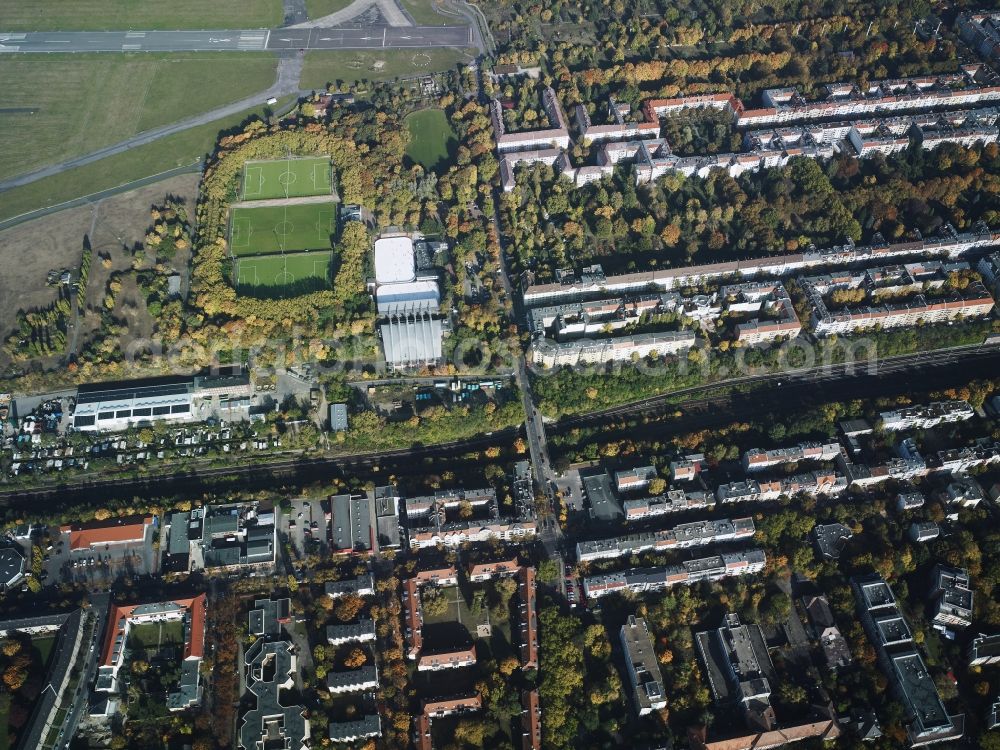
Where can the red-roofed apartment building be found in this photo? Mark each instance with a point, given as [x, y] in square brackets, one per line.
[190, 612]
[99, 534]
[485, 571]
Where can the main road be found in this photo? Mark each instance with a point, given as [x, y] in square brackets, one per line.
[248, 40]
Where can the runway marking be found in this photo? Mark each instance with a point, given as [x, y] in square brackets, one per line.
[384, 32]
[267, 39]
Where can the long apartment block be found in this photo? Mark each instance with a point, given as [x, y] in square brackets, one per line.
[973, 302]
[639, 580]
[594, 282]
[674, 500]
[923, 416]
[752, 490]
[550, 353]
[927, 720]
[757, 459]
[683, 536]
[848, 100]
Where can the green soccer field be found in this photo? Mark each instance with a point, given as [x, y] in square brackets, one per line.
[281, 229]
[286, 178]
[277, 271]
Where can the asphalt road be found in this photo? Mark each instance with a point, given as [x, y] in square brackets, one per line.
[374, 37]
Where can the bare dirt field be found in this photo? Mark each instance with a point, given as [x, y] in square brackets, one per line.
[29, 251]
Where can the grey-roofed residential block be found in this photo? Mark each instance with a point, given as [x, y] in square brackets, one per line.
[267, 616]
[367, 726]
[647, 688]
[360, 631]
[11, 566]
[927, 719]
[365, 678]
[680, 537]
[362, 585]
[831, 538]
[604, 506]
[985, 649]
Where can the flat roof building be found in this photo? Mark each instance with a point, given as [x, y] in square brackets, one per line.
[113, 407]
[831, 538]
[270, 669]
[984, 649]
[648, 693]
[951, 596]
[927, 719]
[268, 615]
[604, 506]
[352, 524]
[394, 260]
[738, 669]
[11, 566]
[338, 417]
[238, 535]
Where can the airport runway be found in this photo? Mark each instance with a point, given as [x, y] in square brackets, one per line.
[372, 37]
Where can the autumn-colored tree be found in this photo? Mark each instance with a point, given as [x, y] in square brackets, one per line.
[355, 659]
[347, 607]
[14, 677]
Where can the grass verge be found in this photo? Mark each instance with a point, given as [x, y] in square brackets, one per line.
[91, 15]
[424, 14]
[319, 8]
[58, 107]
[322, 67]
[159, 156]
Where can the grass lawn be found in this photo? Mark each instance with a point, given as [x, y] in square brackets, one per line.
[155, 634]
[431, 137]
[277, 229]
[56, 107]
[44, 646]
[159, 156]
[323, 67]
[319, 8]
[286, 178]
[424, 15]
[277, 271]
[62, 15]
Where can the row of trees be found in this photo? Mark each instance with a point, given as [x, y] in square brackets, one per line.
[598, 32]
[678, 220]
